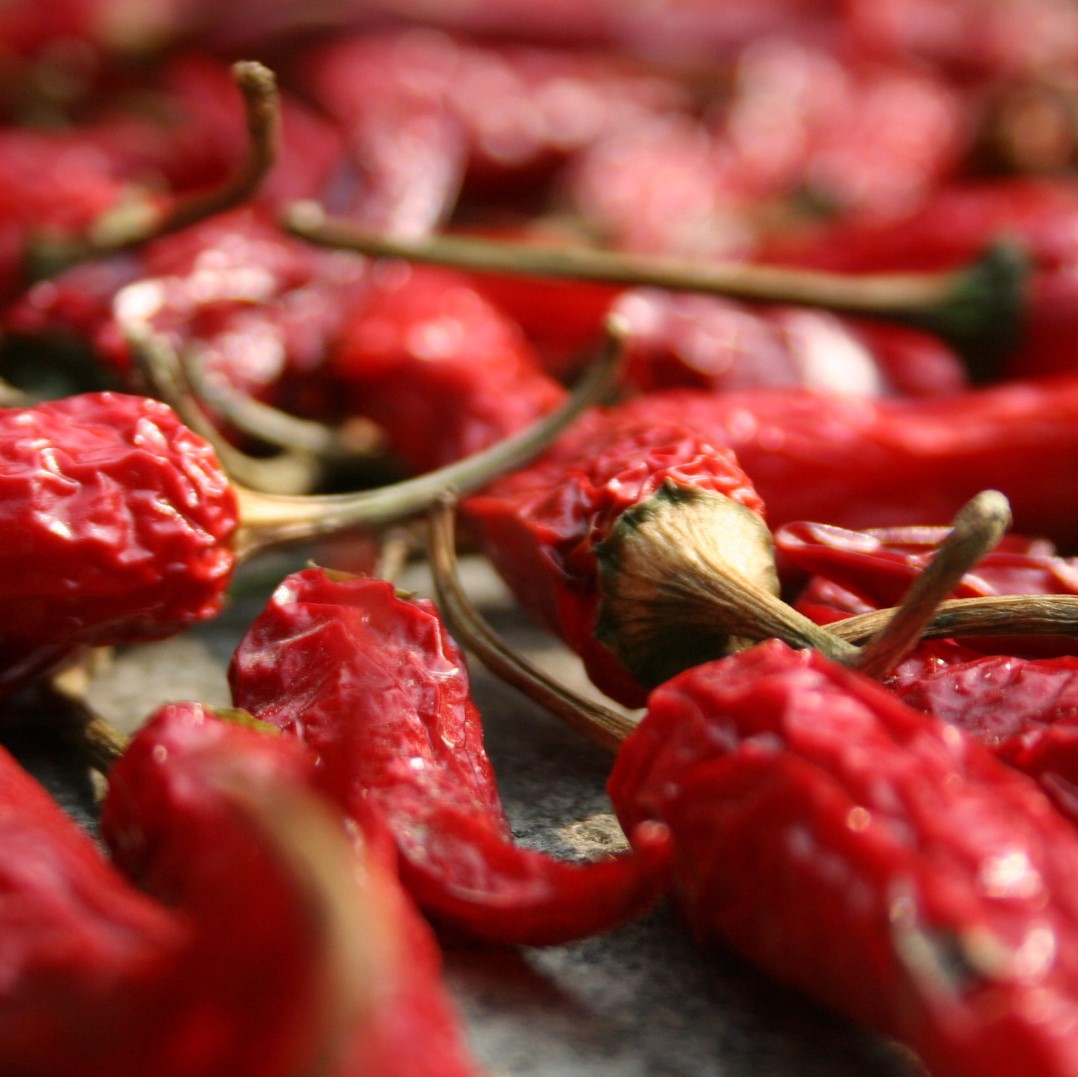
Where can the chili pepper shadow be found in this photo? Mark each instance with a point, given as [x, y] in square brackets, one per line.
[41, 728]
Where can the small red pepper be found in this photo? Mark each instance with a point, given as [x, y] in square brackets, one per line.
[540, 526]
[872, 856]
[121, 525]
[437, 366]
[376, 687]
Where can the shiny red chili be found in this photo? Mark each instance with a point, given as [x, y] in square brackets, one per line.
[375, 686]
[873, 856]
[193, 814]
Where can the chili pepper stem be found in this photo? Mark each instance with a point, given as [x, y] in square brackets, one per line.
[992, 615]
[689, 575]
[290, 472]
[357, 437]
[978, 309]
[977, 529]
[271, 520]
[138, 220]
[605, 727]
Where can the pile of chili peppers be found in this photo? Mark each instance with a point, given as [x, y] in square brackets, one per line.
[286, 275]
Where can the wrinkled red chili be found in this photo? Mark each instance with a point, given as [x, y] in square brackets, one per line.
[808, 804]
[375, 686]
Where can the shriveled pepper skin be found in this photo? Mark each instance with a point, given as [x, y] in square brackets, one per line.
[115, 522]
[374, 684]
[870, 855]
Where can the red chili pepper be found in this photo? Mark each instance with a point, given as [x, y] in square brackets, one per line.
[856, 571]
[373, 683]
[82, 952]
[117, 522]
[881, 463]
[439, 368]
[122, 526]
[272, 991]
[540, 526]
[870, 855]
[701, 342]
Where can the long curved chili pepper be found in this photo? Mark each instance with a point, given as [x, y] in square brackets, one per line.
[808, 804]
[120, 525]
[194, 807]
[380, 692]
[882, 463]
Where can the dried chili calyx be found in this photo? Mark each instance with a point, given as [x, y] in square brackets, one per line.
[688, 575]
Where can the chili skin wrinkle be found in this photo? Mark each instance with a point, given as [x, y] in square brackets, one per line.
[116, 523]
[870, 855]
[376, 687]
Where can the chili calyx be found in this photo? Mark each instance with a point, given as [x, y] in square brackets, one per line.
[133, 223]
[978, 309]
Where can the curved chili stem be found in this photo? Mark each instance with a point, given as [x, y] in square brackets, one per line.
[130, 225]
[990, 615]
[90, 733]
[976, 530]
[604, 726]
[290, 472]
[269, 520]
[978, 309]
[359, 437]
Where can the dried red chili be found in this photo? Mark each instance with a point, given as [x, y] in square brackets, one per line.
[439, 368]
[377, 688]
[122, 526]
[807, 804]
[540, 526]
[321, 947]
[881, 463]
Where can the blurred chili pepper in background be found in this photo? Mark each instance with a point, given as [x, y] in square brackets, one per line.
[376, 687]
[808, 805]
[878, 463]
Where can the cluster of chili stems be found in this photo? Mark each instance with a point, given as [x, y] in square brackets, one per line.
[946, 965]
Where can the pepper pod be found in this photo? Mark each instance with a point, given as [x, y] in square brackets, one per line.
[641, 544]
[374, 685]
[225, 936]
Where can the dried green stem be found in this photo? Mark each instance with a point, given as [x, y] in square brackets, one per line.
[604, 726]
[142, 219]
[290, 472]
[991, 615]
[976, 530]
[358, 437]
[978, 309]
